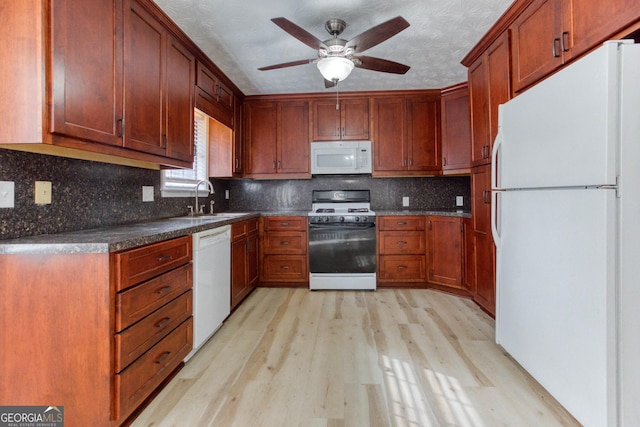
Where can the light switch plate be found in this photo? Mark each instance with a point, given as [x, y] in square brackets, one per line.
[405, 201]
[459, 201]
[43, 193]
[147, 193]
[7, 194]
[226, 194]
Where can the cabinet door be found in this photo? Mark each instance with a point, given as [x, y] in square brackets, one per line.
[484, 249]
[86, 79]
[354, 119]
[253, 270]
[239, 282]
[389, 134]
[423, 128]
[261, 137]
[537, 42]
[445, 251]
[326, 121]
[180, 85]
[593, 21]
[293, 137]
[144, 54]
[456, 132]
[499, 80]
[479, 105]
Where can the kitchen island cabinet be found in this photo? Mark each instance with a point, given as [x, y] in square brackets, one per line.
[348, 122]
[283, 259]
[244, 260]
[95, 332]
[277, 139]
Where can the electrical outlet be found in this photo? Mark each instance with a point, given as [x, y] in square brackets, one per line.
[147, 193]
[459, 201]
[226, 194]
[7, 194]
[405, 201]
[43, 192]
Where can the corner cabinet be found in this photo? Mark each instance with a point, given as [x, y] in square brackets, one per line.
[406, 135]
[100, 332]
[445, 255]
[277, 139]
[349, 121]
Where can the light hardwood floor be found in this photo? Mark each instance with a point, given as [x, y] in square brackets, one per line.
[291, 357]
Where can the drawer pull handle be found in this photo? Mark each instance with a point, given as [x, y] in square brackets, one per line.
[284, 224]
[401, 223]
[401, 242]
[284, 267]
[284, 242]
[164, 356]
[163, 322]
[402, 267]
[163, 258]
[163, 290]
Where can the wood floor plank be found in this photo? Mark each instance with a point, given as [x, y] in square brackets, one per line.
[292, 357]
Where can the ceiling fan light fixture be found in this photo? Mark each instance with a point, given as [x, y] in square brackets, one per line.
[335, 68]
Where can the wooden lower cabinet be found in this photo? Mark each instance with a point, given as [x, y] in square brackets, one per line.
[244, 259]
[284, 241]
[445, 261]
[76, 334]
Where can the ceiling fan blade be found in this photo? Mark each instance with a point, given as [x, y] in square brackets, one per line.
[329, 83]
[378, 64]
[301, 34]
[378, 34]
[287, 64]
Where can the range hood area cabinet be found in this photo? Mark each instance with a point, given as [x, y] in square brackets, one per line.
[348, 122]
[277, 139]
[101, 67]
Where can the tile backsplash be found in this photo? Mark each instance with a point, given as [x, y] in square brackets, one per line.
[89, 194]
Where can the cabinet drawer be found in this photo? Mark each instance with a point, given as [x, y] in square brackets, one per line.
[285, 242]
[399, 223]
[403, 242]
[285, 268]
[134, 341]
[135, 383]
[137, 265]
[244, 228]
[403, 267]
[285, 223]
[136, 303]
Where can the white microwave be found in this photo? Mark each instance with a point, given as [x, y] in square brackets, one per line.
[341, 157]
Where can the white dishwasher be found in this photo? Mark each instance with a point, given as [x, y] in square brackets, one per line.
[211, 283]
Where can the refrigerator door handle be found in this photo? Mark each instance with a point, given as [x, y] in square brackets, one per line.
[494, 186]
[494, 159]
[495, 232]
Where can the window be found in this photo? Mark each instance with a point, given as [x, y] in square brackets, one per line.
[180, 182]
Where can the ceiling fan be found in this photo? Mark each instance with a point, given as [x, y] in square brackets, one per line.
[336, 56]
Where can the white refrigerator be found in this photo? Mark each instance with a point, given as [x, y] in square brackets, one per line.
[566, 223]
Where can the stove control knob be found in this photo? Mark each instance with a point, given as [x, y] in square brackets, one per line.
[341, 219]
[325, 219]
[357, 219]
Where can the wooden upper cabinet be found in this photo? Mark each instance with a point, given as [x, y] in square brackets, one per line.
[456, 132]
[159, 84]
[86, 76]
[406, 135]
[213, 96]
[277, 139]
[539, 41]
[179, 101]
[594, 21]
[489, 86]
[348, 122]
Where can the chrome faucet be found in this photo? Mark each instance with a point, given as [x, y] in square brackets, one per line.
[199, 210]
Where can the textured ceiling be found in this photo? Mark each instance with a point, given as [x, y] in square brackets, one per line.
[239, 37]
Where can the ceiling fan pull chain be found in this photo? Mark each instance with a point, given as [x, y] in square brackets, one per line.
[337, 96]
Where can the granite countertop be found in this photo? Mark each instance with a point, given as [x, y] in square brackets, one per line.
[435, 212]
[113, 239]
[117, 238]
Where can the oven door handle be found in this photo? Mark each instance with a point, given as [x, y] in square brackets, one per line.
[343, 226]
